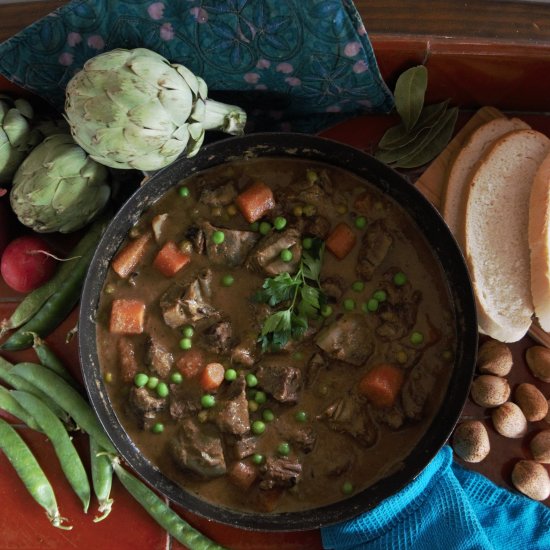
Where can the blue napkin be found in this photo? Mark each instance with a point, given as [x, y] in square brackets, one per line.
[447, 507]
[291, 64]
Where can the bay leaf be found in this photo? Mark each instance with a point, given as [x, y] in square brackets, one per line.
[409, 93]
[398, 136]
[440, 136]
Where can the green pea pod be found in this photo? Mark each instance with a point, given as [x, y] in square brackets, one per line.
[32, 303]
[162, 513]
[7, 375]
[49, 360]
[10, 405]
[30, 472]
[69, 459]
[102, 478]
[58, 306]
[67, 398]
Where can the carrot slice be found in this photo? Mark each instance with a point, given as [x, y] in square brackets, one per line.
[170, 259]
[127, 259]
[212, 376]
[341, 240]
[255, 201]
[190, 363]
[127, 316]
[382, 384]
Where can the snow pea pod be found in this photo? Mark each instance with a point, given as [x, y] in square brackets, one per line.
[70, 461]
[30, 472]
[162, 513]
[10, 405]
[102, 478]
[67, 398]
[49, 360]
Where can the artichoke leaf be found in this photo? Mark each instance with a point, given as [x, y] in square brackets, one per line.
[24, 107]
[196, 129]
[113, 61]
[4, 108]
[203, 88]
[178, 103]
[191, 80]
[193, 147]
[182, 134]
[153, 116]
[199, 111]
[172, 148]
[17, 128]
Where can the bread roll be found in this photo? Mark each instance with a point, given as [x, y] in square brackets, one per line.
[495, 233]
[539, 243]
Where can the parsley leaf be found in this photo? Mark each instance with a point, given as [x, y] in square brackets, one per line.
[299, 292]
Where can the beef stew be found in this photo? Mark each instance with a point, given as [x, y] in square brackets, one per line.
[275, 334]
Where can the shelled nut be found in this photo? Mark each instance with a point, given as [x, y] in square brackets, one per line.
[509, 420]
[471, 441]
[531, 401]
[531, 478]
[490, 391]
[494, 357]
[540, 447]
[538, 361]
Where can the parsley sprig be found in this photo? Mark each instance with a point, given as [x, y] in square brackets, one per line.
[302, 295]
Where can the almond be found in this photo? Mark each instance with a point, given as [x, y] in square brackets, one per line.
[531, 401]
[494, 357]
[471, 441]
[540, 447]
[531, 478]
[538, 360]
[490, 391]
[509, 420]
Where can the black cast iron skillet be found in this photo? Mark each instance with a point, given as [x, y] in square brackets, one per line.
[390, 183]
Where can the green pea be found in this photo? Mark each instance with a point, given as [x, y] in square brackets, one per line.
[208, 401]
[349, 304]
[380, 295]
[157, 428]
[153, 382]
[257, 458]
[265, 228]
[162, 389]
[372, 304]
[141, 379]
[399, 279]
[326, 310]
[186, 343]
[258, 427]
[230, 375]
[176, 378]
[417, 338]
[260, 397]
[268, 415]
[309, 210]
[311, 176]
[360, 222]
[358, 286]
[184, 191]
[298, 211]
[279, 223]
[347, 488]
[301, 416]
[307, 243]
[255, 226]
[251, 380]
[108, 377]
[218, 237]
[228, 280]
[283, 448]
[188, 331]
[286, 255]
[253, 406]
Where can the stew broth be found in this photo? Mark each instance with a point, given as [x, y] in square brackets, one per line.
[329, 429]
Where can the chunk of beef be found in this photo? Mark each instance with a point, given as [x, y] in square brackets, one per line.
[144, 406]
[418, 387]
[188, 304]
[220, 195]
[195, 235]
[374, 247]
[158, 359]
[218, 337]
[266, 255]
[314, 366]
[231, 414]
[300, 437]
[398, 319]
[242, 475]
[198, 449]
[339, 465]
[245, 352]
[235, 247]
[127, 360]
[181, 405]
[348, 416]
[283, 382]
[318, 226]
[333, 288]
[393, 417]
[245, 446]
[280, 472]
[347, 339]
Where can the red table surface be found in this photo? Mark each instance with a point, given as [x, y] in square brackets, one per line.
[24, 525]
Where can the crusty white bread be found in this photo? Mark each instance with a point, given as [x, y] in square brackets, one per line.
[462, 168]
[495, 233]
[539, 243]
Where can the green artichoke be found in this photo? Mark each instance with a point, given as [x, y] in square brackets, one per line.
[17, 137]
[58, 187]
[133, 109]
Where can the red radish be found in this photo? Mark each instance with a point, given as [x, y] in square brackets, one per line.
[27, 264]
